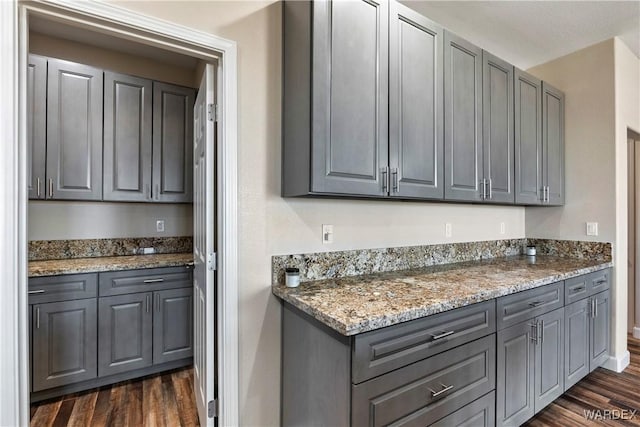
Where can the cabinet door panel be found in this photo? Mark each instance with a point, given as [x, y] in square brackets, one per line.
[172, 325]
[74, 131]
[127, 138]
[36, 125]
[576, 348]
[350, 97]
[463, 119]
[549, 368]
[172, 143]
[64, 343]
[553, 143]
[125, 328]
[497, 115]
[515, 376]
[415, 99]
[528, 138]
[600, 334]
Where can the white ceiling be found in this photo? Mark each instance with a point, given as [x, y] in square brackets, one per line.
[528, 33]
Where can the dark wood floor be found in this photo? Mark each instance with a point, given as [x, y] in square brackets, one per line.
[602, 389]
[160, 400]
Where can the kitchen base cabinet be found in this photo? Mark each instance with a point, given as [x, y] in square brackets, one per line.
[549, 360]
[576, 349]
[599, 330]
[172, 325]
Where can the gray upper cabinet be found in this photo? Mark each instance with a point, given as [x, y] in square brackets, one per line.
[335, 128]
[36, 125]
[553, 144]
[528, 139]
[127, 138]
[64, 343]
[172, 325]
[74, 131]
[497, 129]
[125, 333]
[463, 119]
[415, 105]
[172, 143]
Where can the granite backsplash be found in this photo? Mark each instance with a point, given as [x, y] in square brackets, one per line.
[91, 248]
[330, 265]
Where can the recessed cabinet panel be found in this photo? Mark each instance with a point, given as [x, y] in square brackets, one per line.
[172, 325]
[172, 143]
[36, 126]
[553, 143]
[463, 119]
[74, 131]
[415, 100]
[127, 138]
[350, 96]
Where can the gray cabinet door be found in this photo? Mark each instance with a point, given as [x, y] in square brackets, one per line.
[462, 119]
[64, 343]
[172, 143]
[415, 105]
[74, 131]
[125, 333]
[127, 138]
[549, 365]
[497, 129]
[528, 138]
[36, 125]
[553, 143]
[599, 330]
[350, 97]
[576, 349]
[515, 375]
[172, 325]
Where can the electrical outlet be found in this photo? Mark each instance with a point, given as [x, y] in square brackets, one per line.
[327, 233]
[448, 230]
[592, 229]
[503, 228]
[160, 225]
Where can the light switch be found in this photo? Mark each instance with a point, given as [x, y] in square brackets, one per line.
[160, 225]
[327, 233]
[592, 229]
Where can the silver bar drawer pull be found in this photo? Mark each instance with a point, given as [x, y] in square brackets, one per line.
[578, 289]
[442, 335]
[154, 280]
[601, 282]
[445, 388]
[39, 291]
[536, 303]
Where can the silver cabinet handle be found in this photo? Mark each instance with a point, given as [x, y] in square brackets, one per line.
[146, 303]
[534, 332]
[593, 310]
[442, 335]
[484, 189]
[39, 291]
[157, 191]
[394, 173]
[536, 303]
[384, 171]
[147, 190]
[50, 187]
[541, 328]
[37, 317]
[445, 388]
[595, 307]
[154, 280]
[490, 189]
[601, 282]
[578, 289]
[38, 187]
[158, 302]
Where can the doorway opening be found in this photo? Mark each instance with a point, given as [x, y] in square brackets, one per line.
[117, 38]
[633, 241]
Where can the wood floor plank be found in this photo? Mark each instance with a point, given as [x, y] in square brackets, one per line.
[82, 410]
[102, 411]
[134, 403]
[152, 403]
[45, 413]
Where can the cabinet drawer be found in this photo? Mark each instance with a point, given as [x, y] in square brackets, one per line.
[479, 413]
[144, 280]
[576, 289]
[599, 281]
[516, 308]
[378, 352]
[426, 391]
[62, 288]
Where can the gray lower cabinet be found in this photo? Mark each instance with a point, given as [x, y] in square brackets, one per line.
[74, 131]
[172, 143]
[127, 138]
[577, 326]
[125, 326]
[415, 105]
[549, 359]
[36, 126]
[172, 325]
[480, 413]
[599, 330]
[462, 120]
[553, 144]
[64, 343]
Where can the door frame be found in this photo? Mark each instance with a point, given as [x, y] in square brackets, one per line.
[105, 18]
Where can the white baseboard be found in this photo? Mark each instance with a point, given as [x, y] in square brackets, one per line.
[636, 332]
[618, 364]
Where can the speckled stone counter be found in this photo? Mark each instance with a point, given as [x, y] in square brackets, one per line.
[115, 263]
[357, 304]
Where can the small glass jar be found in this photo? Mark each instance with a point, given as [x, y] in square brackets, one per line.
[531, 251]
[292, 277]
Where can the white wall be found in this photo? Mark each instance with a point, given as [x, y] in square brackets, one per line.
[269, 224]
[51, 220]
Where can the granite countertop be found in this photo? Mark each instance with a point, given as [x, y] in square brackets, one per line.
[357, 304]
[112, 263]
